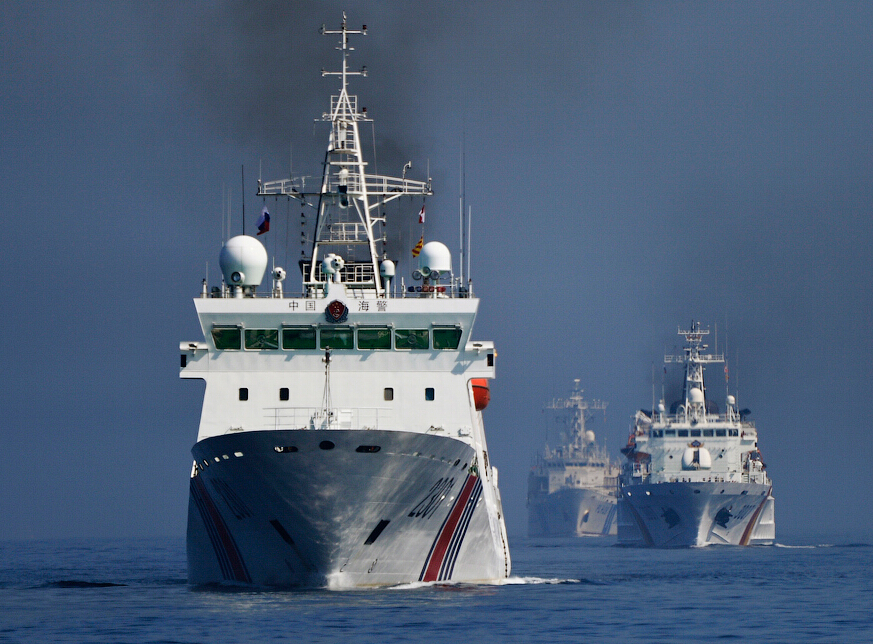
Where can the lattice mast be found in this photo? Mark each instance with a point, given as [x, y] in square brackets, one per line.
[349, 199]
[580, 409]
[694, 359]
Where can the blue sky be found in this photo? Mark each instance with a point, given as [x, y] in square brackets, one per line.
[630, 166]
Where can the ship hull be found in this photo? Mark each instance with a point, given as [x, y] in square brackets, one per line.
[689, 514]
[341, 508]
[572, 513]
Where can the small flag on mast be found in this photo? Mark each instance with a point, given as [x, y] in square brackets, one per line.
[418, 247]
[264, 222]
[421, 215]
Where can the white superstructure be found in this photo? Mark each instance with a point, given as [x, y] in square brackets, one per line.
[571, 488]
[341, 440]
[694, 476]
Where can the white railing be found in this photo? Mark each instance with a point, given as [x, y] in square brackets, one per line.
[315, 418]
[347, 231]
[375, 184]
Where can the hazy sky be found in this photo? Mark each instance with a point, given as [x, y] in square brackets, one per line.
[630, 165]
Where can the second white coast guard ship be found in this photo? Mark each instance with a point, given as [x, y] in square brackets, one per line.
[694, 476]
[341, 441]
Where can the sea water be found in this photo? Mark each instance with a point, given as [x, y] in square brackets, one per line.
[588, 590]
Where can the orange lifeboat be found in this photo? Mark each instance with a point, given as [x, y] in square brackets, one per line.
[481, 393]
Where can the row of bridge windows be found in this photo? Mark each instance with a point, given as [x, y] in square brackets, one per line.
[334, 337]
[660, 433]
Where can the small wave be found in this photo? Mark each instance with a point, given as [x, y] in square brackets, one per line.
[825, 545]
[509, 581]
[78, 583]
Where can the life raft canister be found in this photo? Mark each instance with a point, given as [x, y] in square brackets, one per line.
[481, 393]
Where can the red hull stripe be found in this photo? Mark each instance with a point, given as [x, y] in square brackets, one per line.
[232, 565]
[441, 544]
[747, 533]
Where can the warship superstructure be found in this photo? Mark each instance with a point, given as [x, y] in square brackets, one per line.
[572, 487]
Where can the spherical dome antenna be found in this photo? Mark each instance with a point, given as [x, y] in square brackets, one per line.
[387, 268]
[696, 395]
[243, 261]
[434, 256]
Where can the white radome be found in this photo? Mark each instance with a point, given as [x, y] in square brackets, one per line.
[243, 261]
[434, 256]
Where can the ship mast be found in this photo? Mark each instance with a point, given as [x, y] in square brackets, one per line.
[348, 201]
[581, 410]
[693, 358]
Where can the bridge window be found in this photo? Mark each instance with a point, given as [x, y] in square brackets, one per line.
[374, 337]
[682, 432]
[411, 339]
[262, 339]
[446, 338]
[226, 337]
[337, 337]
[298, 337]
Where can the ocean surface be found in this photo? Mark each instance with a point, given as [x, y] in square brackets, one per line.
[578, 591]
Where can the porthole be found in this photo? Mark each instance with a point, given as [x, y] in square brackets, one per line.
[243, 393]
[284, 394]
[368, 449]
[285, 449]
[326, 445]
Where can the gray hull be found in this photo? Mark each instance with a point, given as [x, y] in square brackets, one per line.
[572, 513]
[675, 515]
[339, 508]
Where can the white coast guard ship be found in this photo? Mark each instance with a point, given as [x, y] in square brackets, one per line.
[341, 441]
[694, 476]
[571, 490]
